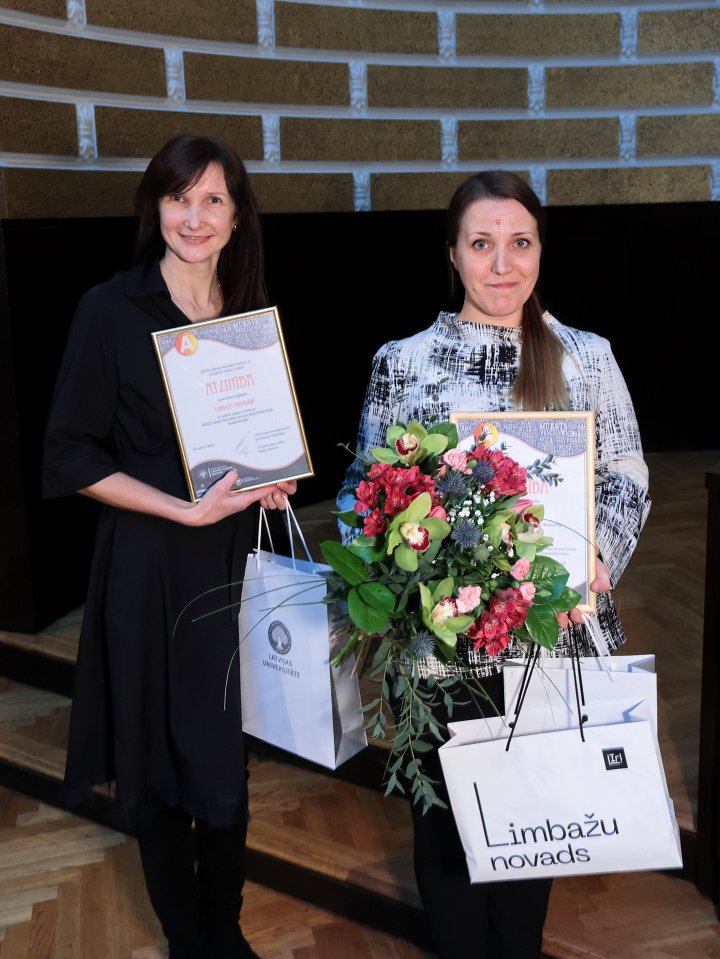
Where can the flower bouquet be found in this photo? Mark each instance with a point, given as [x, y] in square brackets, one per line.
[446, 557]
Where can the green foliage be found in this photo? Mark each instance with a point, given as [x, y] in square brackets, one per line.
[352, 569]
[413, 704]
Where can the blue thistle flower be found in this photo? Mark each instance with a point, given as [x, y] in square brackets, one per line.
[482, 473]
[422, 645]
[465, 534]
[451, 484]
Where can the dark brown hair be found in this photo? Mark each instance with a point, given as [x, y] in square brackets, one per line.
[177, 166]
[539, 383]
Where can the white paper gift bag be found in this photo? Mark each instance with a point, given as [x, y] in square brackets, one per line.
[555, 805]
[292, 697]
[550, 700]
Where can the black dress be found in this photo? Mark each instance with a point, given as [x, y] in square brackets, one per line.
[157, 702]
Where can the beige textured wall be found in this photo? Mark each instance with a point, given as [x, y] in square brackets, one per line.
[361, 104]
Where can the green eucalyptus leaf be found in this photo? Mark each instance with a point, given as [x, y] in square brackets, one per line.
[352, 569]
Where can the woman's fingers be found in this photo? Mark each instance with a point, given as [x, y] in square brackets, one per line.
[220, 502]
[276, 499]
[601, 584]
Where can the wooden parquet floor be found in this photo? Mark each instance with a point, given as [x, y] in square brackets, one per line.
[70, 888]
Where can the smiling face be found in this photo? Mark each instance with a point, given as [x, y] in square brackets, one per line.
[497, 256]
[197, 223]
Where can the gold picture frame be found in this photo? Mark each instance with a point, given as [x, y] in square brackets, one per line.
[233, 401]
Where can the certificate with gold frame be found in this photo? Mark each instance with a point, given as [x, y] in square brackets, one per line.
[233, 401]
[558, 451]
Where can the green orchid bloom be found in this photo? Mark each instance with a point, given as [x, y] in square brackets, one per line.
[411, 532]
[410, 444]
[440, 615]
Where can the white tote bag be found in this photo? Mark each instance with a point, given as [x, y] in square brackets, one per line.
[555, 805]
[291, 696]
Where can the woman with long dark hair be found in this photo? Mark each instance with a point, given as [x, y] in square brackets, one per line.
[499, 352]
[156, 708]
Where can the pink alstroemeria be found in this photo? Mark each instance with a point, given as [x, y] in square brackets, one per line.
[522, 504]
[437, 512]
[416, 536]
[445, 609]
[521, 568]
[468, 598]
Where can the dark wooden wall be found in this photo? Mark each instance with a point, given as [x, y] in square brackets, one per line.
[643, 276]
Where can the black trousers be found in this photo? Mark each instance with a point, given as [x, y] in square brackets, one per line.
[497, 920]
[194, 877]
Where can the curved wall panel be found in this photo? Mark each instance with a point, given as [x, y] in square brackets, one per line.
[342, 105]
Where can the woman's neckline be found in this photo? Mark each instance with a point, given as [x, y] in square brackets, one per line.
[472, 330]
[178, 299]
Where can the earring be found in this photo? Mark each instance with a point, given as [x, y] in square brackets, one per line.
[234, 227]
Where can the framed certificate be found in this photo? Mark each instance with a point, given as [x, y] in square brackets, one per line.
[558, 452]
[233, 402]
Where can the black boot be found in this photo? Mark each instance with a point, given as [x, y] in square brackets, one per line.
[221, 877]
[167, 851]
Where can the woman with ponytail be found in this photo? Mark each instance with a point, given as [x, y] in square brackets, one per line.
[500, 352]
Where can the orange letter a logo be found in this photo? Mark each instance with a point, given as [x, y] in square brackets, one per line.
[186, 344]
